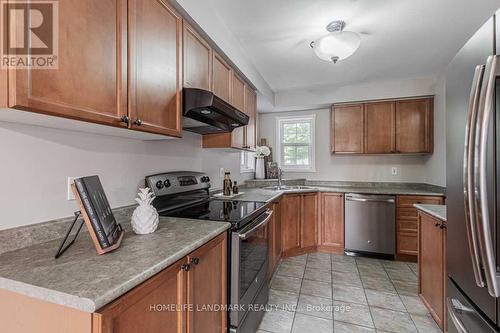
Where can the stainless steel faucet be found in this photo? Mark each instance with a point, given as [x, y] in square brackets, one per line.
[280, 175]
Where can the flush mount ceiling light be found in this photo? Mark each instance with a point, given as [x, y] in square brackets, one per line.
[338, 44]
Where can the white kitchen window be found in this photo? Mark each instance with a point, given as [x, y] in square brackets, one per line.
[296, 143]
[247, 162]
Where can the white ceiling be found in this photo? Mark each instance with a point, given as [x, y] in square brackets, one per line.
[400, 38]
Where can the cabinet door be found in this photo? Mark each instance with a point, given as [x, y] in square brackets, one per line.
[347, 129]
[221, 78]
[91, 81]
[309, 220]
[197, 60]
[379, 128]
[290, 222]
[431, 266]
[136, 312]
[414, 126]
[238, 101]
[155, 67]
[331, 231]
[251, 111]
[407, 243]
[207, 286]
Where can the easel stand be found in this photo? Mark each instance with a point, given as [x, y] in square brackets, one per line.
[90, 228]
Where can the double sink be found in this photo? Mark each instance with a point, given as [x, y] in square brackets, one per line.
[289, 188]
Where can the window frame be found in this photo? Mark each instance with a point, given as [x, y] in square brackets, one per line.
[312, 145]
[247, 167]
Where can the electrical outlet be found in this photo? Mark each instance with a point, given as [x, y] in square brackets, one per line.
[394, 171]
[69, 193]
[221, 173]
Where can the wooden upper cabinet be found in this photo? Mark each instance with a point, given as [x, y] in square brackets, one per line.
[414, 126]
[290, 222]
[221, 78]
[207, 285]
[91, 81]
[131, 313]
[308, 220]
[331, 225]
[380, 128]
[238, 101]
[347, 129]
[155, 45]
[197, 60]
[251, 111]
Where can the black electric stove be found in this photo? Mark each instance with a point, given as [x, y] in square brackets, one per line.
[238, 213]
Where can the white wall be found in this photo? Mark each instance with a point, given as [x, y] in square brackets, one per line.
[36, 162]
[428, 169]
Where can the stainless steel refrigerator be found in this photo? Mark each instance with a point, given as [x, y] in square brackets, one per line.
[473, 189]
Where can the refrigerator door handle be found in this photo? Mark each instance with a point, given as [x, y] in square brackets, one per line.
[486, 106]
[470, 211]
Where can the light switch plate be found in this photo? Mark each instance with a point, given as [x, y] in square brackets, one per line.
[69, 193]
[394, 171]
[221, 173]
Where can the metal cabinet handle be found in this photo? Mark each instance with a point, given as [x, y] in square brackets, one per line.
[125, 119]
[451, 310]
[369, 200]
[486, 105]
[248, 233]
[195, 261]
[186, 267]
[468, 179]
[138, 122]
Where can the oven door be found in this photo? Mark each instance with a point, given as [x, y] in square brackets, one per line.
[249, 261]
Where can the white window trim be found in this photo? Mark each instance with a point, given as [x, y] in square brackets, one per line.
[279, 121]
[244, 167]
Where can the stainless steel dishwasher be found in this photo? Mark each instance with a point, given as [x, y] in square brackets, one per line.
[370, 225]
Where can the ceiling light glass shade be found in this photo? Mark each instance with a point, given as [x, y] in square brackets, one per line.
[336, 46]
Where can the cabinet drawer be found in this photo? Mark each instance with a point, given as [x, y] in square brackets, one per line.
[407, 214]
[408, 243]
[407, 225]
[409, 201]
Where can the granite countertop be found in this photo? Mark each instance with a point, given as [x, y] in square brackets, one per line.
[268, 195]
[437, 211]
[85, 281]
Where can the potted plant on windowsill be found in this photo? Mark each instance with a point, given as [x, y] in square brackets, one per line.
[260, 153]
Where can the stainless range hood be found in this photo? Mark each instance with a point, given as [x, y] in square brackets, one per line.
[205, 113]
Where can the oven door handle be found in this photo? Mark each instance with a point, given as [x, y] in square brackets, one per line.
[268, 214]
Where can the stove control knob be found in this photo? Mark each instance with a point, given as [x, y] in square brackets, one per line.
[159, 184]
[167, 183]
[205, 179]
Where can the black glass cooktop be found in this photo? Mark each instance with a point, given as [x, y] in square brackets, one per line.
[238, 213]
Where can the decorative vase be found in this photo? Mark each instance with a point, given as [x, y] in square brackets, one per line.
[259, 168]
[145, 217]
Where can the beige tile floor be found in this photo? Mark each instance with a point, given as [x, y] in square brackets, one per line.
[320, 293]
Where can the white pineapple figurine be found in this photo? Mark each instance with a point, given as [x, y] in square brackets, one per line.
[145, 217]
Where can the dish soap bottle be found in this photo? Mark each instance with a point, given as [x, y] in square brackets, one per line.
[235, 188]
[226, 185]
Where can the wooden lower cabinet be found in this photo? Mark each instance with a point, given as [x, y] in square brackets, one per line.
[309, 220]
[299, 223]
[432, 266]
[290, 222]
[190, 283]
[141, 310]
[274, 238]
[407, 224]
[331, 222]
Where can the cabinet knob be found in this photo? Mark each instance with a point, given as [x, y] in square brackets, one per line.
[195, 261]
[443, 226]
[437, 224]
[125, 119]
[186, 267]
[138, 122]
